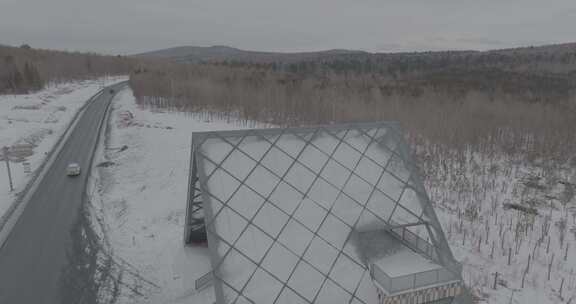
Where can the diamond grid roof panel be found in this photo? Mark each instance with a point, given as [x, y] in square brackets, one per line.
[282, 206]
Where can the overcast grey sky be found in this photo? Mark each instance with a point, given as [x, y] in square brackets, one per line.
[132, 26]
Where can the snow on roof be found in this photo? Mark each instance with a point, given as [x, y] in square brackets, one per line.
[405, 261]
[282, 206]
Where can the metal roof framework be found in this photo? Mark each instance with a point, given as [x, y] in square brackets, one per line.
[282, 205]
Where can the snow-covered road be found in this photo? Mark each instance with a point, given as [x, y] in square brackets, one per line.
[37, 120]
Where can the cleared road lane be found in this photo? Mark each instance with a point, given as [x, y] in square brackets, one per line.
[38, 248]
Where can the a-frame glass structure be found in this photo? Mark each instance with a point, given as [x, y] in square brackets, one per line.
[288, 213]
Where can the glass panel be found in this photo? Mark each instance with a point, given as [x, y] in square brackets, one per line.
[243, 300]
[300, 177]
[325, 142]
[229, 294]
[286, 197]
[205, 165]
[321, 255]
[221, 249]
[347, 156]
[233, 139]
[290, 144]
[280, 262]
[378, 153]
[313, 158]
[270, 137]
[369, 170]
[358, 189]
[356, 301]
[399, 230]
[335, 174]
[277, 161]
[333, 294]
[380, 133]
[391, 186]
[346, 209]
[246, 202]
[238, 164]
[215, 205]
[254, 146]
[262, 288]
[351, 250]
[310, 214]
[323, 193]
[236, 269]
[346, 273]
[369, 222]
[410, 237]
[366, 291]
[334, 231]
[338, 133]
[270, 219]
[306, 136]
[262, 181]
[253, 243]
[397, 167]
[420, 231]
[387, 138]
[222, 185]
[411, 201]
[215, 149]
[357, 139]
[381, 205]
[290, 297]
[402, 216]
[423, 246]
[295, 237]
[228, 225]
[371, 132]
[306, 281]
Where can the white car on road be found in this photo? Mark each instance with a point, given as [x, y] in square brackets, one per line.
[73, 169]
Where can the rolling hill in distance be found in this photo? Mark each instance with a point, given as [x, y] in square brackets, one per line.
[534, 73]
[217, 53]
[221, 53]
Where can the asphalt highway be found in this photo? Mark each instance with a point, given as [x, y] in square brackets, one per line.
[39, 246]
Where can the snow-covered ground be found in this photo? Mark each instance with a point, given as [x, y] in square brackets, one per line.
[141, 180]
[139, 200]
[36, 121]
[471, 191]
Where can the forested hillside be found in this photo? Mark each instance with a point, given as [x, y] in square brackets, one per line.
[518, 101]
[24, 69]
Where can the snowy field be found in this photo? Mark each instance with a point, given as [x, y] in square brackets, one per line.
[139, 198]
[533, 249]
[139, 195]
[34, 122]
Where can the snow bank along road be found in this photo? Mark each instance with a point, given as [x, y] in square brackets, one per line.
[37, 249]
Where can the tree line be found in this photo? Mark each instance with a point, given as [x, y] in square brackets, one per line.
[24, 69]
[517, 110]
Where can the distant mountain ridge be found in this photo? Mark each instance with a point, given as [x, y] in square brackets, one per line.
[221, 53]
